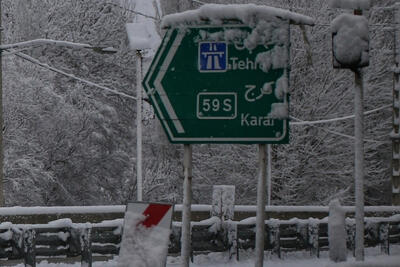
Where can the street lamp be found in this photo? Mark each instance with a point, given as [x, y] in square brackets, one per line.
[1, 117]
[30, 44]
[350, 50]
[138, 41]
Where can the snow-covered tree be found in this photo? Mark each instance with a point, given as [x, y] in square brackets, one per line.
[82, 137]
[68, 142]
[317, 165]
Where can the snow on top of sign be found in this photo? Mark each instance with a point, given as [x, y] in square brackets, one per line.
[279, 111]
[351, 40]
[282, 87]
[246, 13]
[351, 4]
[264, 33]
[276, 58]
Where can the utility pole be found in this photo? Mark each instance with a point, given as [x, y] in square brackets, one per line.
[395, 135]
[340, 27]
[359, 158]
[1, 116]
[187, 206]
[269, 174]
[139, 173]
[261, 198]
[359, 164]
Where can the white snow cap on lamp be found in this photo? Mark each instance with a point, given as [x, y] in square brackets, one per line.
[350, 43]
[351, 4]
[138, 35]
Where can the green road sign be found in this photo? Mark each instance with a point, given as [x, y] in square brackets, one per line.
[213, 85]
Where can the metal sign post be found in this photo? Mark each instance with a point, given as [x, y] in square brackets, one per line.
[359, 164]
[269, 174]
[187, 202]
[261, 197]
[395, 135]
[341, 26]
[139, 154]
[138, 41]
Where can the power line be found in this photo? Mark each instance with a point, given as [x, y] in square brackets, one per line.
[301, 122]
[198, 2]
[135, 12]
[338, 133]
[35, 42]
[46, 66]
[313, 123]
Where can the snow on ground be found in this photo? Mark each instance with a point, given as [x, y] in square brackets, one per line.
[374, 258]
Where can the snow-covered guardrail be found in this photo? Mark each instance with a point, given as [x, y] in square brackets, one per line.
[63, 238]
[30, 232]
[60, 238]
[95, 214]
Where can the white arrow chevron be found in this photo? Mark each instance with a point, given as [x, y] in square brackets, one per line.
[160, 89]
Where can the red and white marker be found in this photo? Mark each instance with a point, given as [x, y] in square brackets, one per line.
[146, 234]
[156, 214]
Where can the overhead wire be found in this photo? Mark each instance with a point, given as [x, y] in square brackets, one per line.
[312, 124]
[298, 121]
[302, 122]
[134, 11]
[46, 66]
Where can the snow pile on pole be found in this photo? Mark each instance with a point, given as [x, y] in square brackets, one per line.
[217, 14]
[337, 232]
[138, 35]
[223, 201]
[351, 4]
[350, 40]
[143, 33]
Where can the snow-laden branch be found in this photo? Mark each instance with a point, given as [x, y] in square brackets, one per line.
[301, 122]
[45, 42]
[37, 62]
[136, 12]
[13, 52]
[198, 2]
[38, 42]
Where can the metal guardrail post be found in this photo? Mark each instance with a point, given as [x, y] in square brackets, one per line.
[29, 239]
